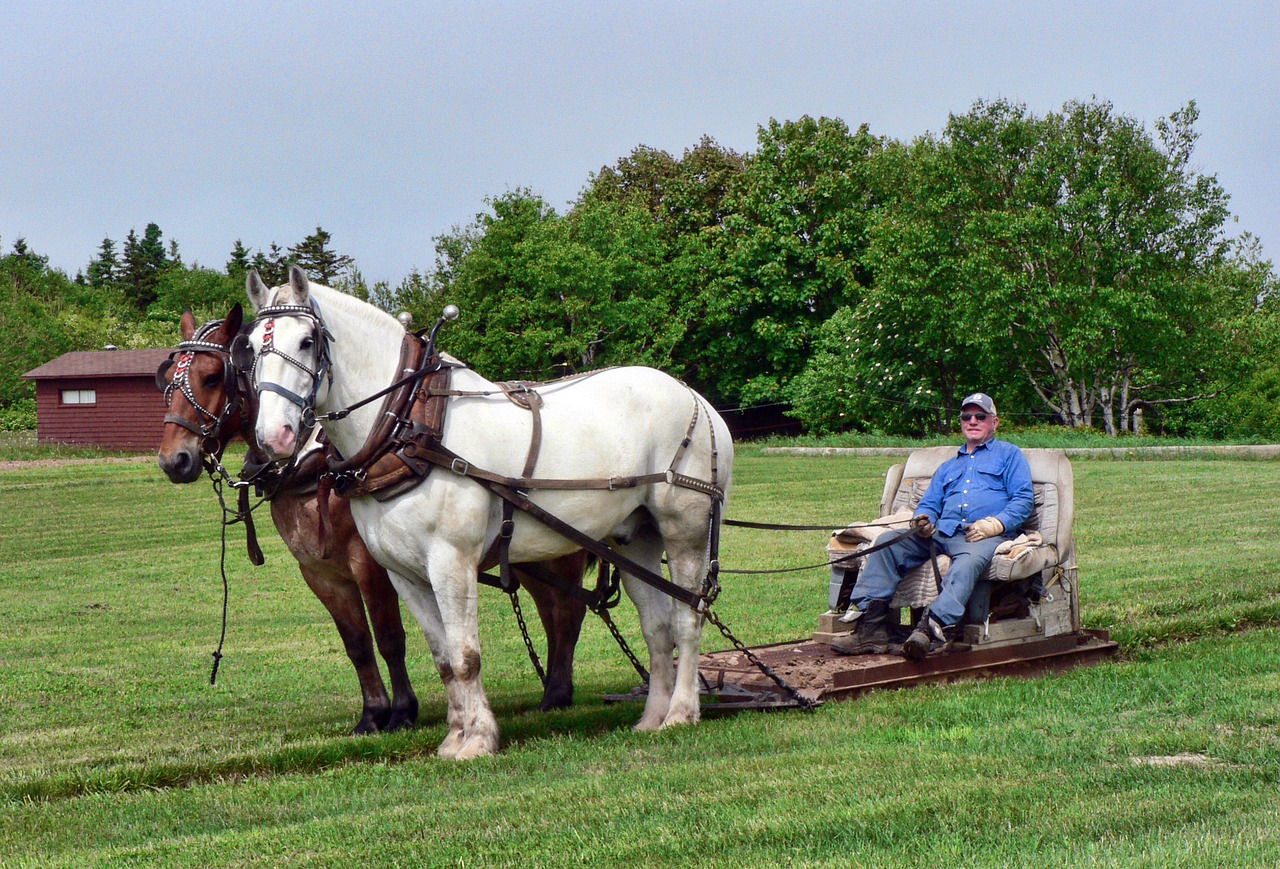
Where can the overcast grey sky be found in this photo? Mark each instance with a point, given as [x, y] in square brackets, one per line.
[390, 124]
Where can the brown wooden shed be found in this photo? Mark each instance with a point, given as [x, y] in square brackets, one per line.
[103, 397]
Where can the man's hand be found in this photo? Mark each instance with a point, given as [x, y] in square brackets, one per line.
[923, 525]
[984, 528]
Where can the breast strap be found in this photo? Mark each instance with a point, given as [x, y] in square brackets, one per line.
[386, 466]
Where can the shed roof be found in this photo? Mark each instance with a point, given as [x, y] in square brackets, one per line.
[102, 363]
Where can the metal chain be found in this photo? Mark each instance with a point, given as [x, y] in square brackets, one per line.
[603, 613]
[803, 702]
[606, 598]
[524, 632]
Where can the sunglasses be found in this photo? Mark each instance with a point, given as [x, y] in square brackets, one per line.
[980, 417]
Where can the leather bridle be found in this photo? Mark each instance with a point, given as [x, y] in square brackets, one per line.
[210, 428]
[246, 360]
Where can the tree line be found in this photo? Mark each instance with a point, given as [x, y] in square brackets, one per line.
[128, 296]
[1075, 264]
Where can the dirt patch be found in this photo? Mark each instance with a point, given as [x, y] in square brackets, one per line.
[805, 665]
[1173, 760]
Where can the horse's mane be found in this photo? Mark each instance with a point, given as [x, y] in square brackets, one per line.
[348, 306]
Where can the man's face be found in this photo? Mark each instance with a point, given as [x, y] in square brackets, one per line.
[977, 425]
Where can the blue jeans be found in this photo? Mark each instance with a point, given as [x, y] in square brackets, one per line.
[885, 568]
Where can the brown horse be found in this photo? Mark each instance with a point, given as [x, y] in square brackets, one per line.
[208, 408]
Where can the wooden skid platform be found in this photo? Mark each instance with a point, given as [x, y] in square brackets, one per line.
[822, 674]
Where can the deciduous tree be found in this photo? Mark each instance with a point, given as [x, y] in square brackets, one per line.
[795, 234]
[1096, 255]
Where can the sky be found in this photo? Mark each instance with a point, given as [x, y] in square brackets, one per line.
[389, 124]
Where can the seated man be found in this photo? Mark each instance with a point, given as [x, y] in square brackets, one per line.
[973, 503]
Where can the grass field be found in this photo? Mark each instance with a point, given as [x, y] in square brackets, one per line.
[115, 750]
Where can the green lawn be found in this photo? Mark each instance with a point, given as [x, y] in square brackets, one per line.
[115, 750]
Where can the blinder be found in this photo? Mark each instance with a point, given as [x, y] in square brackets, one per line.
[242, 353]
[162, 381]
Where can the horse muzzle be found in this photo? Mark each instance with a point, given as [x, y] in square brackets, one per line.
[279, 444]
[181, 465]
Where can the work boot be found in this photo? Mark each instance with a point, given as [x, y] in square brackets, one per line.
[871, 637]
[929, 629]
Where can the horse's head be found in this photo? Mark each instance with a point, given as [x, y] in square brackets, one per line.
[287, 353]
[206, 405]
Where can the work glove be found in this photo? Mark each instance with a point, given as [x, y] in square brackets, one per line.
[924, 527]
[984, 528]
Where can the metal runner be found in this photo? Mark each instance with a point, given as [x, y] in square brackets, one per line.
[733, 682]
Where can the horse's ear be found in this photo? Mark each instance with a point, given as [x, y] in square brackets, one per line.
[299, 284]
[187, 325]
[256, 289]
[234, 320]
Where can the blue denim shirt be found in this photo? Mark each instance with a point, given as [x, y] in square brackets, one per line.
[993, 480]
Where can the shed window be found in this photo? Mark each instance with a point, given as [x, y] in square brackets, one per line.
[79, 396]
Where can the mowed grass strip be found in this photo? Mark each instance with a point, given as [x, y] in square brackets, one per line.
[1168, 757]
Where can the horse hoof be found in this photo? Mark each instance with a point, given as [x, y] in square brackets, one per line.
[647, 723]
[556, 700]
[400, 720]
[366, 725]
[452, 744]
[476, 746]
[675, 719]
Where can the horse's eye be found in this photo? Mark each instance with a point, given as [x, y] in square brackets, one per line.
[306, 343]
[212, 381]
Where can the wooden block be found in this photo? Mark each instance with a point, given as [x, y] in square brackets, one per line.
[1002, 631]
[1055, 615]
[829, 622]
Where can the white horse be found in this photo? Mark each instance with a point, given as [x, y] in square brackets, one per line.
[619, 422]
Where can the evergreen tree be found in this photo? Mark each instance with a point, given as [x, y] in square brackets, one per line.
[128, 256]
[152, 246]
[27, 256]
[239, 264]
[28, 271]
[272, 267]
[315, 257]
[143, 260]
[104, 269]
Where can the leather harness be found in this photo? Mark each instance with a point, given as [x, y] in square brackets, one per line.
[406, 443]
